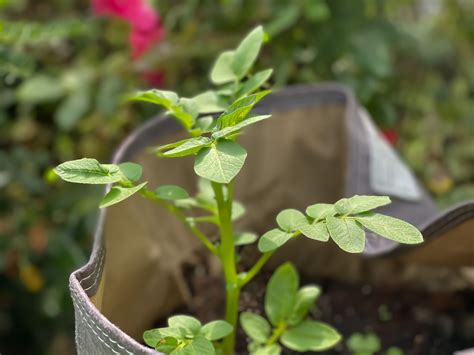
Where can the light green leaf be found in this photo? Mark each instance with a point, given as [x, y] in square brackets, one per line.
[118, 194]
[305, 300]
[206, 124]
[217, 329]
[310, 336]
[131, 171]
[320, 211]
[39, 89]
[238, 210]
[255, 326]
[221, 162]
[153, 336]
[190, 324]
[393, 350]
[222, 72]
[163, 98]
[88, 171]
[273, 239]
[254, 82]
[171, 192]
[209, 102]
[316, 231]
[238, 111]
[245, 238]
[290, 220]
[197, 346]
[391, 228]
[347, 234]
[167, 345]
[234, 129]
[358, 204]
[280, 296]
[360, 343]
[187, 147]
[247, 52]
[72, 109]
[273, 349]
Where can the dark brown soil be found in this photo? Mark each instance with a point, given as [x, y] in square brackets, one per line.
[416, 321]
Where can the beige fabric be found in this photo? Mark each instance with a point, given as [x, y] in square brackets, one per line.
[294, 159]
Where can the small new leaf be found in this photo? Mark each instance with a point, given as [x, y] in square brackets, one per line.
[391, 228]
[216, 330]
[310, 336]
[171, 192]
[221, 162]
[305, 300]
[190, 324]
[199, 345]
[245, 238]
[273, 239]
[254, 82]
[347, 234]
[88, 171]
[131, 171]
[358, 204]
[255, 326]
[118, 194]
[280, 296]
[290, 220]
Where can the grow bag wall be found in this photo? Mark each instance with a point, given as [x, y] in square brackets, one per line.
[318, 147]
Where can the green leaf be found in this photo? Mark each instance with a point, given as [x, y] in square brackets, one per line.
[190, 324]
[280, 296]
[197, 346]
[88, 171]
[206, 124]
[152, 337]
[234, 129]
[163, 98]
[290, 220]
[238, 210]
[39, 89]
[118, 194]
[360, 343]
[255, 326]
[347, 234]
[222, 72]
[217, 329]
[273, 239]
[209, 102]
[273, 349]
[316, 231]
[221, 162]
[254, 82]
[391, 228]
[305, 300]
[245, 238]
[171, 192]
[393, 350]
[310, 336]
[72, 109]
[187, 147]
[358, 204]
[131, 171]
[320, 211]
[247, 52]
[238, 111]
[167, 345]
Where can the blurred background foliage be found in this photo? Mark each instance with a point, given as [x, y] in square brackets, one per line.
[64, 72]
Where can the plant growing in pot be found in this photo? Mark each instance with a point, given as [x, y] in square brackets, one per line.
[218, 159]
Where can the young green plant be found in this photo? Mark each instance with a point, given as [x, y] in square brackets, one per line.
[218, 158]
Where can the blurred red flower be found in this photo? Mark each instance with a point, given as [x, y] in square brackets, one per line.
[144, 21]
[391, 135]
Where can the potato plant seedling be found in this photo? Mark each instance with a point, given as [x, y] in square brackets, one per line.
[218, 158]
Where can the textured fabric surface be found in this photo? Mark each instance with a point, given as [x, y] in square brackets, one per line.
[315, 149]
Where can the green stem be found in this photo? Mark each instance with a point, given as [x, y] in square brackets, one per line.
[227, 255]
[249, 275]
[277, 332]
[180, 215]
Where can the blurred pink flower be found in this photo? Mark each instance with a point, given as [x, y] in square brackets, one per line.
[155, 78]
[144, 21]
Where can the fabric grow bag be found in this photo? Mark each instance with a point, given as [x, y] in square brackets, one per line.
[319, 146]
